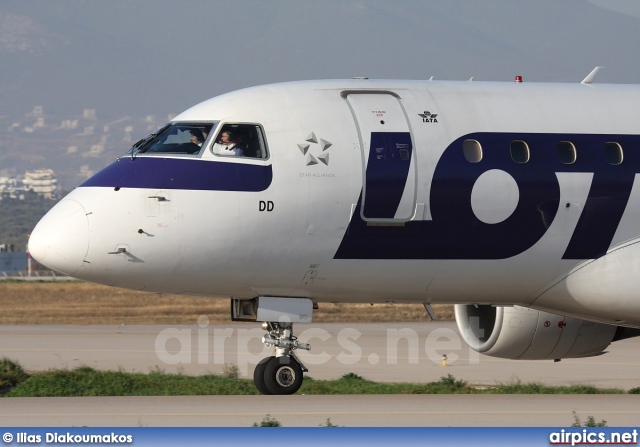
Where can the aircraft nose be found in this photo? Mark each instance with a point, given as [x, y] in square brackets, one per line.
[60, 240]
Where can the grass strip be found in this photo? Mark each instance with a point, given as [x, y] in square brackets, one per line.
[86, 381]
[82, 303]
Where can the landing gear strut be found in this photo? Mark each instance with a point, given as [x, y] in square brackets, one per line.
[282, 373]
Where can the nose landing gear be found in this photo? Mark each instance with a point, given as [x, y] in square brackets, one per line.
[282, 373]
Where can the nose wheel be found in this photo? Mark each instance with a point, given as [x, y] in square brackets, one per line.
[273, 377]
[258, 375]
[282, 373]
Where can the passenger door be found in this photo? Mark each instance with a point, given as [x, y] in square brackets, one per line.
[389, 166]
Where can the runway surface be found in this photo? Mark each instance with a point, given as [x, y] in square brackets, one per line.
[380, 352]
[311, 411]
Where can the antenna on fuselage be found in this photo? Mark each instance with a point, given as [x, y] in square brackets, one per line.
[591, 76]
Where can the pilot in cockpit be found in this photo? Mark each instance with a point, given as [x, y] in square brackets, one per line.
[196, 140]
[196, 137]
[226, 145]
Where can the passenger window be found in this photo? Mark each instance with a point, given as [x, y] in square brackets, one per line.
[613, 153]
[567, 152]
[519, 151]
[472, 151]
[240, 140]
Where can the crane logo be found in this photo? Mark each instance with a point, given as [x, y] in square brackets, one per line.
[314, 145]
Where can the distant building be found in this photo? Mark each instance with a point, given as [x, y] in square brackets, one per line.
[11, 188]
[95, 150]
[89, 114]
[69, 124]
[37, 111]
[13, 262]
[39, 124]
[41, 181]
[7, 183]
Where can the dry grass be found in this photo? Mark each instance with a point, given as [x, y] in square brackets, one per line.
[84, 303]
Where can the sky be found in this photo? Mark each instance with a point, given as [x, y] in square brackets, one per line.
[141, 57]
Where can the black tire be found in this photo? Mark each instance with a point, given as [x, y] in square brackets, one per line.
[283, 376]
[259, 374]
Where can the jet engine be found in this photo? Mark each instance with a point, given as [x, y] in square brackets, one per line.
[527, 334]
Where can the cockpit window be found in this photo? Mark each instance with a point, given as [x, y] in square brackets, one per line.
[240, 140]
[176, 138]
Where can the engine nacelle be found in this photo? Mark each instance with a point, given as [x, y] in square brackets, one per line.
[528, 334]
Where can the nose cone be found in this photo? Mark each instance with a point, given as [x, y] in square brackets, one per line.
[60, 241]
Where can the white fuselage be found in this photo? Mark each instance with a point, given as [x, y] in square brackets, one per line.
[374, 191]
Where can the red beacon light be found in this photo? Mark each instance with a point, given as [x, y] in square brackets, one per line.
[518, 79]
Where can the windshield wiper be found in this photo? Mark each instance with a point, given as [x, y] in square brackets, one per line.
[141, 143]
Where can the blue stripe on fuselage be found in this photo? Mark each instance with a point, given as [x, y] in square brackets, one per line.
[456, 233]
[182, 173]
